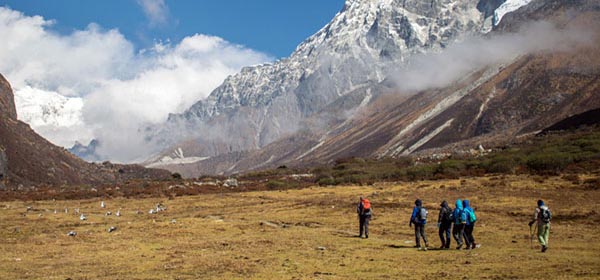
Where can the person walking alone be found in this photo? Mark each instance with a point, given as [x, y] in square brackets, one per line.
[542, 216]
[458, 230]
[419, 219]
[445, 224]
[364, 212]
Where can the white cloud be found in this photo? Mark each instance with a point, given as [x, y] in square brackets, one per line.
[120, 90]
[435, 70]
[156, 11]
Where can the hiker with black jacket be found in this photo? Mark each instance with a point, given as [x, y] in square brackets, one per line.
[542, 216]
[419, 218]
[364, 212]
[458, 230]
[444, 224]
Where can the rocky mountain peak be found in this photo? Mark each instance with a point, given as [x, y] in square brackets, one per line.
[362, 45]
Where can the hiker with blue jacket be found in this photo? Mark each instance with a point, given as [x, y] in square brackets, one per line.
[445, 224]
[458, 230]
[470, 220]
[419, 219]
[364, 216]
[542, 216]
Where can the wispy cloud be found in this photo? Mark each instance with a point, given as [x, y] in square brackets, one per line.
[434, 70]
[156, 11]
[112, 90]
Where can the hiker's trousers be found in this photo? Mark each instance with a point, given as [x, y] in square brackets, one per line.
[469, 239]
[364, 224]
[420, 232]
[543, 233]
[445, 229]
[458, 231]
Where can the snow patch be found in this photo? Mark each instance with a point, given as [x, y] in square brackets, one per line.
[429, 136]
[507, 7]
[178, 158]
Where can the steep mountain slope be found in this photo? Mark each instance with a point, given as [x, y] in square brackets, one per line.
[491, 106]
[364, 42]
[28, 159]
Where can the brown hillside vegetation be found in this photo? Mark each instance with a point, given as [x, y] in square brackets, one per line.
[306, 234]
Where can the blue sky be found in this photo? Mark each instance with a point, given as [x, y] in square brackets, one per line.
[274, 27]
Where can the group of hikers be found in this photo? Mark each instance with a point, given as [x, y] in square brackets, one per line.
[461, 221]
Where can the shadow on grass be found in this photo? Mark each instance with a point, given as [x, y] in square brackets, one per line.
[394, 246]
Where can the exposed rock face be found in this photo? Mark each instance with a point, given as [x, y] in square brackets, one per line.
[365, 41]
[3, 168]
[27, 158]
[7, 100]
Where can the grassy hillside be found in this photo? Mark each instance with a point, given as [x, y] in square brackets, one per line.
[305, 234]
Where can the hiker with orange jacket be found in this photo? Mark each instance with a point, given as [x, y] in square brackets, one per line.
[364, 212]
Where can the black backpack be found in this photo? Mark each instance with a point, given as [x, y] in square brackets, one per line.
[447, 216]
[546, 215]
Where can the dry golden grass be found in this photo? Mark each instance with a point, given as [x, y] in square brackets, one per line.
[278, 235]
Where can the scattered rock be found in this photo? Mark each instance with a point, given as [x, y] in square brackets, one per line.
[72, 233]
[108, 213]
[102, 205]
[82, 217]
[173, 221]
[231, 182]
[321, 248]
[111, 229]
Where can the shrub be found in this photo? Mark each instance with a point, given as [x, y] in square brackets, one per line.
[553, 162]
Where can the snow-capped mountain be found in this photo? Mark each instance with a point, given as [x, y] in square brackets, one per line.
[360, 47]
[46, 110]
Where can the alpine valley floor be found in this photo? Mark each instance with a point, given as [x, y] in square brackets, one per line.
[306, 234]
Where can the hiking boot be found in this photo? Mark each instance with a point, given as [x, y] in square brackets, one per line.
[443, 246]
[544, 248]
[417, 246]
[424, 248]
[473, 246]
[366, 236]
[459, 246]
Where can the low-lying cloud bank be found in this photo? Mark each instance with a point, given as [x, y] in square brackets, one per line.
[436, 70]
[108, 89]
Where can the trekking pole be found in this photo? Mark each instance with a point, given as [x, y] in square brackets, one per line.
[530, 238]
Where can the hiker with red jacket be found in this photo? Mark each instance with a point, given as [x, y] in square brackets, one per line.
[419, 218]
[364, 212]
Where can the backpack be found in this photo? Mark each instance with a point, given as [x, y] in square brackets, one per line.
[546, 215]
[422, 214]
[366, 206]
[448, 215]
[472, 217]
